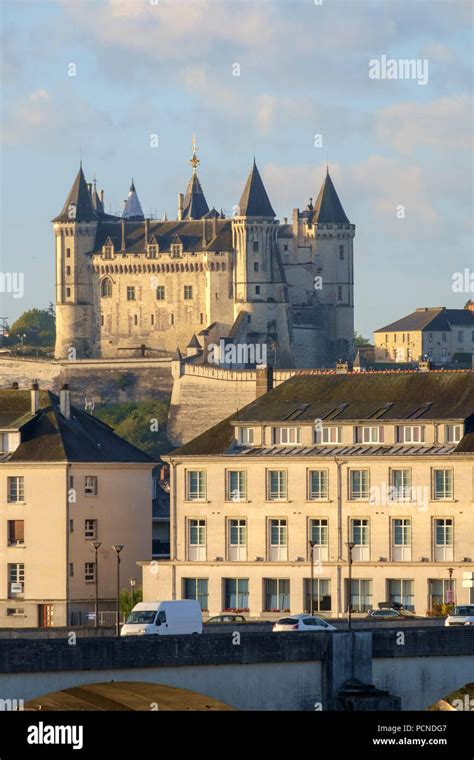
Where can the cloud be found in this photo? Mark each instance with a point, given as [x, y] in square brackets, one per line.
[442, 124]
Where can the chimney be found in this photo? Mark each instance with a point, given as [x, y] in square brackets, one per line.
[264, 381]
[123, 234]
[295, 222]
[65, 402]
[343, 367]
[15, 386]
[214, 227]
[34, 398]
[146, 232]
[102, 197]
[204, 241]
[180, 206]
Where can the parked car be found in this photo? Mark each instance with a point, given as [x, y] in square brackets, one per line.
[227, 618]
[164, 618]
[302, 622]
[462, 614]
[391, 614]
[390, 605]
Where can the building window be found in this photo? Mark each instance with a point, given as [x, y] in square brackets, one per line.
[282, 436]
[197, 540]
[152, 319]
[153, 251]
[319, 533]
[237, 547]
[278, 540]
[15, 489]
[461, 336]
[101, 320]
[197, 588]
[255, 246]
[236, 594]
[90, 485]
[360, 538]
[176, 250]
[277, 594]
[443, 539]
[108, 251]
[106, 288]
[188, 292]
[256, 266]
[130, 293]
[359, 484]
[89, 572]
[401, 591]
[401, 539]
[68, 270]
[443, 484]
[443, 337]
[360, 595]
[71, 569]
[68, 292]
[453, 433]
[341, 252]
[339, 292]
[430, 353]
[160, 293]
[68, 253]
[318, 487]
[369, 435]
[430, 337]
[246, 436]
[201, 318]
[257, 290]
[277, 485]
[321, 594]
[400, 485]
[328, 435]
[90, 529]
[171, 319]
[236, 485]
[15, 611]
[16, 532]
[135, 320]
[410, 434]
[16, 580]
[196, 485]
[439, 590]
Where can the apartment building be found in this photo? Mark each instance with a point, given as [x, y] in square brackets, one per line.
[437, 334]
[379, 465]
[66, 481]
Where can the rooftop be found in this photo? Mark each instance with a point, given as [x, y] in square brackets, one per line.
[435, 318]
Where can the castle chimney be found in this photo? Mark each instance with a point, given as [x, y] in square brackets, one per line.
[34, 398]
[204, 241]
[180, 206]
[295, 222]
[65, 402]
[146, 232]
[123, 234]
[214, 227]
[102, 197]
[264, 381]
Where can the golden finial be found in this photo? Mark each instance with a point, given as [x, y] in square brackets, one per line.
[194, 160]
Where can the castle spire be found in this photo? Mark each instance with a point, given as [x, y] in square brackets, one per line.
[328, 208]
[194, 161]
[194, 204]
[78, 206]
[254, 200]
[133, 209]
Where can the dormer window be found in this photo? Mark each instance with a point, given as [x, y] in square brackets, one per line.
[108, 250]
[453, 433]
[410, 434]
[246, 436]
[153, 251]
[176, 249]
[368, 434]
[328, 435]
[283, 436]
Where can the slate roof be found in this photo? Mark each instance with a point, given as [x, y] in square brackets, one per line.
[254, 200]
[49, 437]
[195, 205]
[434, 319]
[372, 396]
[328, 208]
[190, 233]
[79, 197]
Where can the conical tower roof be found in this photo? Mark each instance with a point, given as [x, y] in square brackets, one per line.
[78, 206]
[96, 202]
[133, 209]
[195, 205]
[328, 208]
[254, 200]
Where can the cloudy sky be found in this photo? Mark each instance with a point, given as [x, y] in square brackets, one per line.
[168, 68]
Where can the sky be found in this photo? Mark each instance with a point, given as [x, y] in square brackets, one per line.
[126, 83]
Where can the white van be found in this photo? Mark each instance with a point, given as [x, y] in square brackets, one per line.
[164, 618]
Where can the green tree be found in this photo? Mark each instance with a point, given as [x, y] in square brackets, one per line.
[143, 424]
[125, 601]
[359, 340]
[468, 303]
[37, 325]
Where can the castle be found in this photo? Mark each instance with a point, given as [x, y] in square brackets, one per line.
[129, 283]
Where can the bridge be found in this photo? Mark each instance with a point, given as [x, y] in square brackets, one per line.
[411, 669]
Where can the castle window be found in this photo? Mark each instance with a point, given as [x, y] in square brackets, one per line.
[160, 293]
[201, 318]
[171, 319]
[176, 249]
[108, 251]
[102, 320]
[188, 292]
[68, 270]
[256, 266]
[130, 293]
[285, 247]
[106, 288]
[135, 320]
[153, 251]
[68, 292]
[257, 290]
[68, 253]
[255, 246]
[152, 319]
[339, 292]
[341, 252]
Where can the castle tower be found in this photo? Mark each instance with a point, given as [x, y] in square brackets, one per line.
[334, 236]
[75, 229]
[260, 286]
[194, 204]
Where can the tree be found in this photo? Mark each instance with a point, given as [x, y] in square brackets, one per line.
[141, 423]
[468, 304]
[125, 600]
[359, 340]
[37, 325]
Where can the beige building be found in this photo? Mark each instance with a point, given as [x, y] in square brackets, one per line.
[436, 333]
[126, 284]
[381, 460]
[66, 480]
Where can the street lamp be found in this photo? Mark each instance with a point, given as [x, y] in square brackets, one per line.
[311, 604]
[350, 545]
[132, 589]
[117, 549]
[450, 600]
[96, 546]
